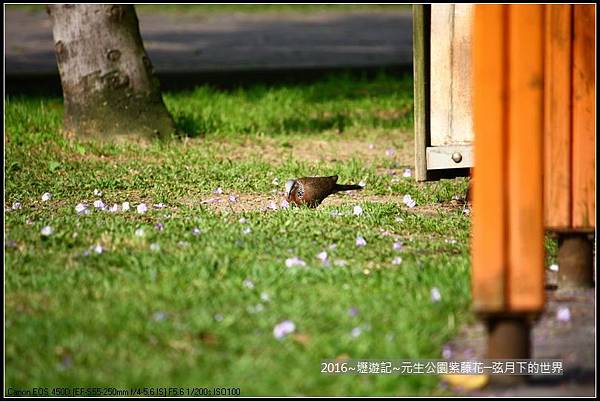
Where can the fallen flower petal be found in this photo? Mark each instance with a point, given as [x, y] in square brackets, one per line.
[125, 206]
[409, 201]
[159, 206]
[218, 191]
[295, 261]
[248, 283]
[46, 231]
[275, 181]
[272, 205]
[159, 226]
[358, 210]
[353, 312]
[242, 220]
[139, 232]
[16, 206]
[397, 260]
[397, 246]
[154, 246]
[142, 208]
[356, 332]
[265, 297]
[553, 267]
[283, 329]
[436, 296]
[247, 230]
[362, 183]
[360, 241]
[98, 249]
[563, 314]
[99, 204]
[80, 208]
[97, 192]
[389, 152]
[407, 173]
[46, 196]
[284, 204]
[196, 231]
[233, 198]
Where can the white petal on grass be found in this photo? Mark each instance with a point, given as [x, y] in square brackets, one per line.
[265, 297]
[335, 213]
[242, 220]
[389, 152]
[371, 146]
[322, 256]
[99, 204]
[159, 316]
[358, 210]
[142, 208]
[272, 205]
[196, 231]
[295, 261]
[246, 230]
[218, 191]
[256, 308]
[97, 192]
[16, 206]
[563, 314]
[397, 246]
[399, 220]
[362, 183]
[284, 204]
[46, 231]
[360, 241]
[159, 206]
[356, 332]
[218, 317]
[98, 249]
[407, 173]
[333, 246]
[283, 329]
[233, 198]
[340, 262]
[139, 232]
[409, 201]
[248, 283]
[125, 206]
[553, 267]
[275, 181]
[46, 196]
[154, 246]
[114, 208]
[81, 208]
[397, 260]
[450, 241]
[436, 296]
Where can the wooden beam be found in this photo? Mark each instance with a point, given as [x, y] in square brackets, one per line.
[421, 87]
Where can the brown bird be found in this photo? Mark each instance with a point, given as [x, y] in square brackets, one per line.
[311, 191]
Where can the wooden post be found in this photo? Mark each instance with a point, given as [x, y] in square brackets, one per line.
[421, 87]
[508, 104]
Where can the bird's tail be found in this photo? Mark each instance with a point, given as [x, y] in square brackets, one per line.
[340, 187]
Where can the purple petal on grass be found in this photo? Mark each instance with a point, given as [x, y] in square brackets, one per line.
[46, 196]
[389, 152]
[99, 204]
[295, 261]
[272, 205]
[283, 329]
[233, 198]
[360, 241]
[159, 316]
[322, 256]
[446, 352]
[142, 208]
[436, 296]
[159, 226]
[407, 173]
[397, 246]
[81, 208]
[409, 201]
[563, 314]
[16, 206]
[159, 206]
[353, 312]
[284, 204]
[46, 231]
[358, 210]
[333, 246]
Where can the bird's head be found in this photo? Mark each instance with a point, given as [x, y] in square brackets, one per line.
[290, 186]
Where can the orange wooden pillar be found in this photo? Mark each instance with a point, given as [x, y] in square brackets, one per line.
[569, 184]
[534, 123]
[508, 117]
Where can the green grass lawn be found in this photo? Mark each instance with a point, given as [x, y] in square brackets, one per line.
[176, 308]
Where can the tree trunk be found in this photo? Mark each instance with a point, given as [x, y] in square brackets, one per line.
[107, 78]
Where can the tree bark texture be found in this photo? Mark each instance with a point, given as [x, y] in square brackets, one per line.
[107, 78]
